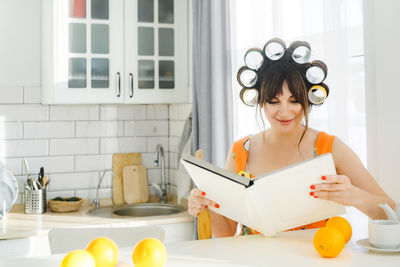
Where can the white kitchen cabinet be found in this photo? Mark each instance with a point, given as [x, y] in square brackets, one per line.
[119, 51]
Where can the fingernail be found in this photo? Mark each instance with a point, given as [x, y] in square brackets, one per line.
[312, 187]
[323, 178]
[206, 206]
[316, 196]
[203, 193]
[311, 193]
[217, 206]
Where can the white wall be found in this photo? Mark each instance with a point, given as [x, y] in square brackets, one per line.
[73, 142]
[382, 84]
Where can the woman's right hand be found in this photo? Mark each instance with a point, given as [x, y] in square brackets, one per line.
[197, 202]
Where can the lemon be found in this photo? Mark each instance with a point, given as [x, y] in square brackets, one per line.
[78, 258]
[149, 252]
[104, 251]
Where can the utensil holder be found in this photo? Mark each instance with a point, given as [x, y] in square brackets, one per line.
[35, 201]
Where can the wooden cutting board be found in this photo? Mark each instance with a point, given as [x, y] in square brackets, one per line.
[119, 161]
[134, 179]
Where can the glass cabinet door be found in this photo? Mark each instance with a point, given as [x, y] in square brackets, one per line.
[152, 42]
[87, 50]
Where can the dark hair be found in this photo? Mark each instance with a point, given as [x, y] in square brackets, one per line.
[273, 77]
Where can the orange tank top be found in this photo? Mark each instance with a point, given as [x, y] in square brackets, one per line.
[240, 152]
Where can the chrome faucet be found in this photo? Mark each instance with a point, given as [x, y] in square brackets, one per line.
[96, 201]
[161, 192]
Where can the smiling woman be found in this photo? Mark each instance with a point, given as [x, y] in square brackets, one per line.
[285, 92]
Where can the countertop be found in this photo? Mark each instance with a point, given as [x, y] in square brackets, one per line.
[17, 224]
[294, 248]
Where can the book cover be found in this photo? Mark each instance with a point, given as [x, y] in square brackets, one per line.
[270, 203]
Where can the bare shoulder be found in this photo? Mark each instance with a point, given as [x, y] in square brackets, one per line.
[312, 135]
[340, 149]
[343, 156]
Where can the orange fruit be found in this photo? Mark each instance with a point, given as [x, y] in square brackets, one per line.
[104, 251]
[328, 241]
[342, 225]
[78, 258]
[149, 252]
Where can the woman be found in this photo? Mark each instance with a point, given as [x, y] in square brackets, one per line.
[282, 84]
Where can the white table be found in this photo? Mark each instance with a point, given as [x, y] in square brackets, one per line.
[286, 249]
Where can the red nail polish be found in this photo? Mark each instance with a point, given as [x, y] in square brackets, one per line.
[217, 206]
[323, 178]
[316, 196]
[312, 187]
[203, 193]
[206, 206]
[311, 193]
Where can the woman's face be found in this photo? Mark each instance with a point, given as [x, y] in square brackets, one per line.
[284, 112]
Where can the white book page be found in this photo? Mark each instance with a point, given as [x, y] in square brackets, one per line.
[231, 196]
[288, 195]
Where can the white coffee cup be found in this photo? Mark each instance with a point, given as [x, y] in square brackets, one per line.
[384, 233]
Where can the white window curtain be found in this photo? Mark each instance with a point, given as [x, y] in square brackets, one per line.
[335, 32]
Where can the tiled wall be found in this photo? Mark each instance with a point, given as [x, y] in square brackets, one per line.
[178, 114]
[75, 143]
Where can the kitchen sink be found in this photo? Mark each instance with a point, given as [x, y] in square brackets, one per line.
[136, 210]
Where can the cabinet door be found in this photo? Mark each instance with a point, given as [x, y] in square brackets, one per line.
[82, 49]
[156, 49]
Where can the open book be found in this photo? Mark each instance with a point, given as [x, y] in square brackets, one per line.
[270, 203]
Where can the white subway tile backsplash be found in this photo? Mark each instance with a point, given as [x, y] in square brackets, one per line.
[152, 143]
[74, 112]
[146, 128]
[91, 193]
[93, 163]
[74, 143]
[173, 144]
[148, 159]
[11, 130]
[23, 148]
[123, 145]
[154, 176]
[184, 110]
[49, 129]
[79, 180]
[157, 112]
[54, 164]
[176, 127]
[21, 182]
[99, 128]
[123, 112]
[107, 180]
[173, 111]
[11, 94]
[177, 116]
[75, 146]
[26, 112]
[32, 95]
[173, 161]
[14, 165]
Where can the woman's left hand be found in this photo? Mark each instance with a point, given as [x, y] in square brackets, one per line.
[338, 188]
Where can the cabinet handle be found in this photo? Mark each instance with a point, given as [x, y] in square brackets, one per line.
[119, 84]
[131, 83]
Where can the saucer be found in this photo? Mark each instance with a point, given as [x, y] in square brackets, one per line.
[365, 243]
